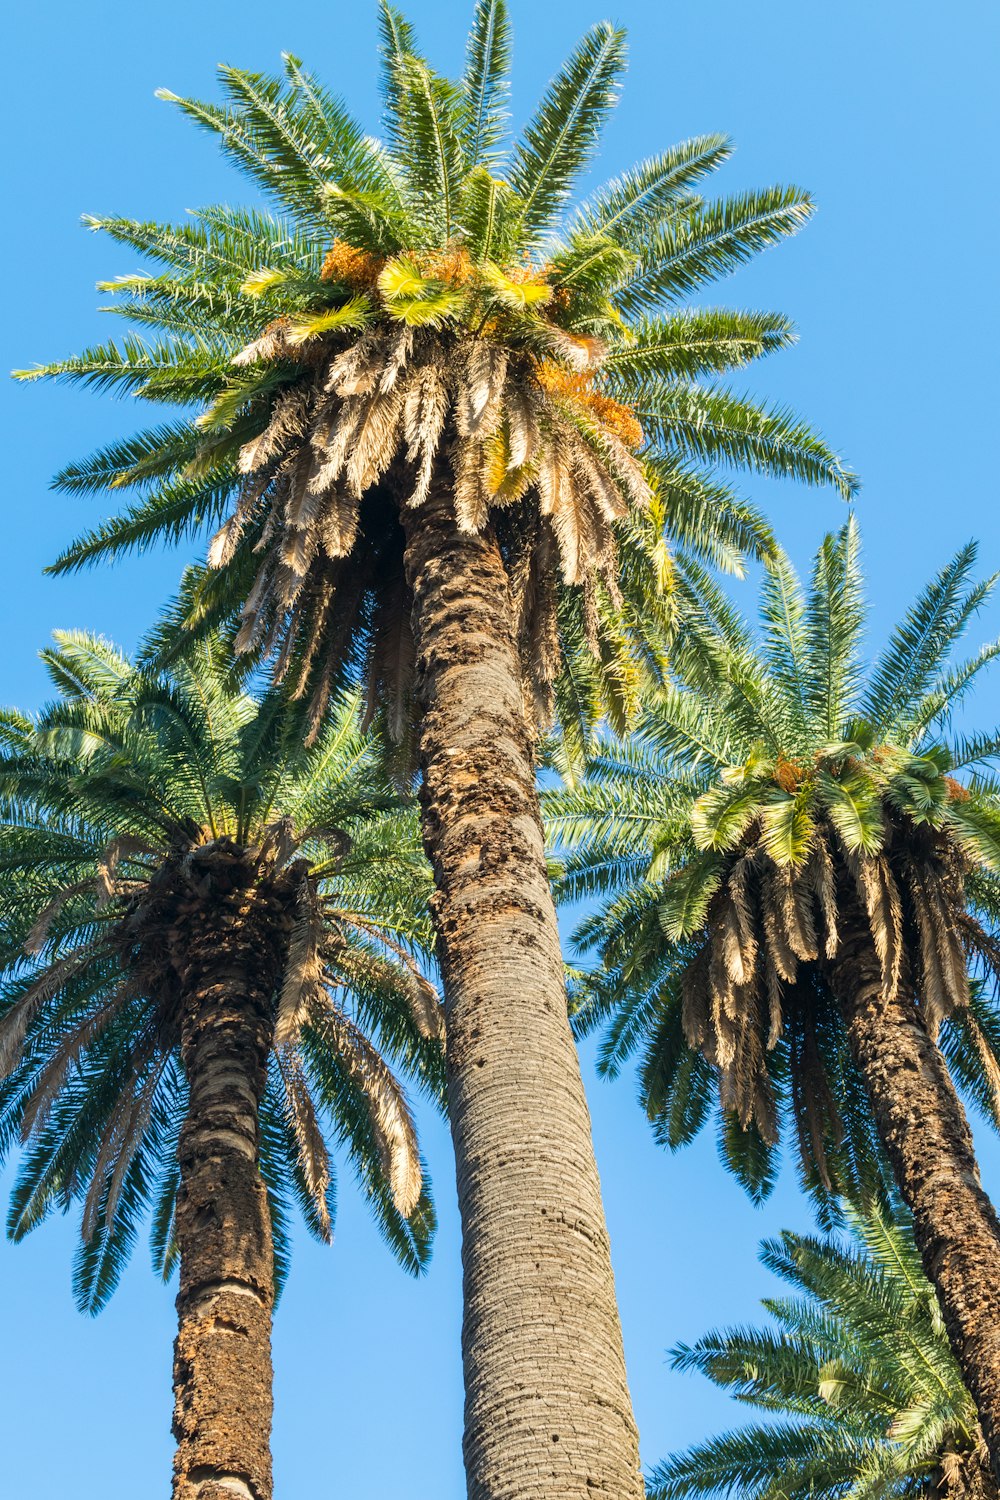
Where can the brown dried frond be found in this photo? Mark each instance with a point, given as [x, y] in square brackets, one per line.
[289, 421]
[536, 612]
[321, 602]
[797, 913]
[773, 909]
[392, 1123]
[254, 614]
[936, 897]
[376, 441]
[821, 876]
[303, 976]
[392, 661]
[813, 1105]
[398, 409]
[358, 368]
[425, 412]
[471, 495]
[736, 936]
[272, 343]
[359, 269]
[482, 374]
[879, 894]
[425, 1003]
[694, 1000]
[775, 1002]
[314, 1159]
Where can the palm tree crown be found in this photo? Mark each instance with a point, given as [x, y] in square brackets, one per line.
[147, 818]
[859, 1368]
[425, 311]
[781, 785]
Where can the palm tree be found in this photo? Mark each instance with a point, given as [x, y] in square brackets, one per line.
[212, 941]
[859, 1367]
[448, 427]
[798, 886]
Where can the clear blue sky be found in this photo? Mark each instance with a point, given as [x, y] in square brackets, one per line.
[888, 113]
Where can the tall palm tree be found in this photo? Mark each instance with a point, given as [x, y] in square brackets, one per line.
[449, 426]
[798, 884]
[212, 943]
[858, 1366]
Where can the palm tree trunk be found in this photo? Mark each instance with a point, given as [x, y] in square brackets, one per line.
[923, 1126]
[222, 1356]
[966, 1476]
[547, 1411]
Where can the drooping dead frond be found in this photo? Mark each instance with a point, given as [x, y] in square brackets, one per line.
[391, 1121]
[779, 946]
[39, 934]
[391, 674]
[314, 1158]
[413, 406]
[289, 422]
[483, 367]
[270, 345]
[821, 876]
[738, 941]
[303, 976]
[879, 893]
[126, 846]
[943, 978]
[337, 523]
[425, 1002]
[425, 412]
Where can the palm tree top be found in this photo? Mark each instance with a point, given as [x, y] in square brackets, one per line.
[427, 307]
[139, 809]
[777, 782]
[863, 1393]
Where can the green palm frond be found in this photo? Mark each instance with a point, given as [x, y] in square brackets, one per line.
[859, 1368]
[558, 142]
[485, 84]
[723, 842]
[124, 773]
[437, 294]
[656, 190]
[708, 242]
[716, 426]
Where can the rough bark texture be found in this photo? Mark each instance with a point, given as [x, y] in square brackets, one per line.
[222, 1357]
[923, 1126]
[548, 1411]
[967, 1476]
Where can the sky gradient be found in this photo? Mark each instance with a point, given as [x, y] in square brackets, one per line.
[888, 114]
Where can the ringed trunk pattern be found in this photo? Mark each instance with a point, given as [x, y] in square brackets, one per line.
[222, 1355]
[548, 1411]
[922, 1124]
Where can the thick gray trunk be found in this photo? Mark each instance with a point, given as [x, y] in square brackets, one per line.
[548, 1411]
